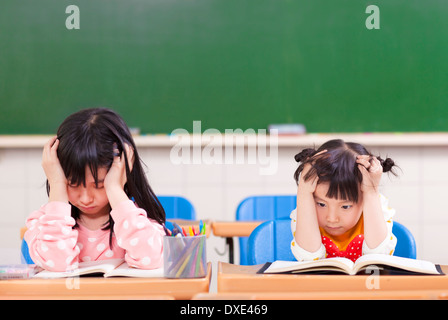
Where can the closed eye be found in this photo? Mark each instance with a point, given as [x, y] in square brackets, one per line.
[321, 204]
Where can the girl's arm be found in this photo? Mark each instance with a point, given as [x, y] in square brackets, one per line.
[375, 229]
[139, 236]
[53, 171]
[390, 241]
[116, 177]
[307, 234]
[50, 237]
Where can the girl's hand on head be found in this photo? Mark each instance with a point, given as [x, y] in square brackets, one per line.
[116, 177]
[51, 165]
[54, 172]
[310, 185]
[371, 171]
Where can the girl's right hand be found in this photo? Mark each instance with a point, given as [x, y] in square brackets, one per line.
[54, 172]
[310, 185]
[50, 162]
[307, 234]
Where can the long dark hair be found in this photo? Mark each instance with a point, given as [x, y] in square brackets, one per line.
[338, 167]
[87, 139]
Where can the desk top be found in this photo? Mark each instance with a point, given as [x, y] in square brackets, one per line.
[346, 295]
[105, 288]
[239, 279]
[234, 228]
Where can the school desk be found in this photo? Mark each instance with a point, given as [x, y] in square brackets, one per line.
[230, 229]
[105, 288]
[350, 295]
[89, 297]
[244, 279]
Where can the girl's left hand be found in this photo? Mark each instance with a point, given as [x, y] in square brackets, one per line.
[116, 177]
[371, 170]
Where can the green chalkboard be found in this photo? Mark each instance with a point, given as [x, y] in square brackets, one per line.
[228, 63]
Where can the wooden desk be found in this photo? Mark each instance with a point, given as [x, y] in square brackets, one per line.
[88, 297]
[105, 288]
[349, 295]
[234, 228]
[230, 229]
[238, 279]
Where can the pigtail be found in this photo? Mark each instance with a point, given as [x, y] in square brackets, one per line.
[388, 165]
[302, 157]
[305, 154]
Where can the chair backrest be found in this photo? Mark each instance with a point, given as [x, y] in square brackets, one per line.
[25, 253]
[177, 207]
[266, 207]
[271, 241]
[406, 246]
[263, 208]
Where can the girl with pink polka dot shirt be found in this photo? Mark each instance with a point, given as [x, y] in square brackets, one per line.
[93, 170]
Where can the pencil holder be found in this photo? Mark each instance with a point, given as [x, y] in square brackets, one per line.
[184, 257]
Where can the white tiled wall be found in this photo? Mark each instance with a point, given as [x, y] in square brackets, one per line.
[418, 193]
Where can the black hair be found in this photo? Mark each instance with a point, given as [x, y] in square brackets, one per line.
[338, 167]
[87, 138]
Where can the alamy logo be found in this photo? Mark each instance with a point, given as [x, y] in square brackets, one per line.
[234, 146]
[72, 21]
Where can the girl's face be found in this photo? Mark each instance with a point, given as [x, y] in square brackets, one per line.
[91, 199]
[335, 216]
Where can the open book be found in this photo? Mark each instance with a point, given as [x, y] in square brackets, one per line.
[347, 266]
[109, 268]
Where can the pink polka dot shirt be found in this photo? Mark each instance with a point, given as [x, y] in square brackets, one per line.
[56, 246]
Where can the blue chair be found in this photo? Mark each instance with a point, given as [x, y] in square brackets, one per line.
[406, 246]
[263, 208]
[175, 207]
[25, 253]
[271, 241]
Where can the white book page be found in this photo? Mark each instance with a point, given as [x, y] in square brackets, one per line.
[399, 262]
[83, 268]
[125, 270]
[284, 266]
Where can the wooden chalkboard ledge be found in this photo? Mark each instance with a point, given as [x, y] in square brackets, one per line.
[413, 139]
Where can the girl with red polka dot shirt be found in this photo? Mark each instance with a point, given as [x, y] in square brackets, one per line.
[340, 212]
